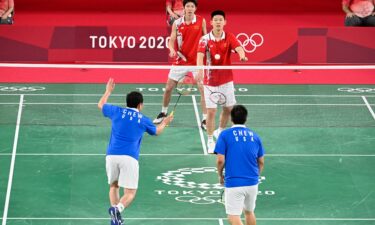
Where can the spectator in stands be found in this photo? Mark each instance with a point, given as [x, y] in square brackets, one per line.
[175, 10]
[359, 12]
[6, 11]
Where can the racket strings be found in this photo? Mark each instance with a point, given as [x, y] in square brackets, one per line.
[217, 95]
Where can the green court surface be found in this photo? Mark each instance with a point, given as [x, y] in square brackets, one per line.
[319, 164]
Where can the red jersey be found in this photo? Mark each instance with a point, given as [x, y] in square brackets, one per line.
[5, 5]
[177, 6]
[217, 53]
[361, 8]
[188, 36]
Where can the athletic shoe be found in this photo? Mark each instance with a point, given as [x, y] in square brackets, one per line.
[210, 146]
[159, 118]
[203, 125]
[115, 216]
[217, 133]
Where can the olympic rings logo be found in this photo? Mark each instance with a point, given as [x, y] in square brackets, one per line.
[199, 200]
[21, 88]
[357, 90]
[245, 41]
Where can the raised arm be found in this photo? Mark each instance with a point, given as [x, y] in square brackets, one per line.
[109, 88]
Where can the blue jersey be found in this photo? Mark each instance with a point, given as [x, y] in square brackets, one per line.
[241, 148]
[128, 126]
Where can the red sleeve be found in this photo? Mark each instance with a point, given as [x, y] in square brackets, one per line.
[234, 43]
[202, 45]
[11, 3]
[168, 2]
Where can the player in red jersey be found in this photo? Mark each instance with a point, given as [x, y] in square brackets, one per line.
[175, 10]
[186, 31]
[216, 47]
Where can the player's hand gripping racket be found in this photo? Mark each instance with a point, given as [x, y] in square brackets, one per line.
[184, 87]
[216, 95]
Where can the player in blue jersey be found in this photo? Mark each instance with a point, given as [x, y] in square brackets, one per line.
[240, 151]
[128, 127]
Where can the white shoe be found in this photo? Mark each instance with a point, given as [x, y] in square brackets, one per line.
[210, 146]
[159, 118]
[217, 133]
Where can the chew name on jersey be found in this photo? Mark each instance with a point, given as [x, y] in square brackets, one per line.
[217, 53]
[188, 36]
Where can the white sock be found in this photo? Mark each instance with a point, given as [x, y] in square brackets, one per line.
[204, 116]
[210, 137]
[120, 207]
[220, 129]
[164, 109]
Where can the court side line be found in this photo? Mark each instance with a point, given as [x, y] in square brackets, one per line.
[161, 67]
[369, 107]
[182, 154]
[92, 154]
[199, 125]
[165, 218]
[11, 170]
[240, 95]
[221, 222]
[185, 104]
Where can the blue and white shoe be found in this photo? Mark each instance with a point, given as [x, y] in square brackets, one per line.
[115, 214]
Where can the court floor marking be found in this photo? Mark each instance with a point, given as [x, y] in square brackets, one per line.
[199, 125]
[11, 170]
[182, 154]
[168, 218]
[369, 107]
[357, 95]
[221, 222]
[249, 104]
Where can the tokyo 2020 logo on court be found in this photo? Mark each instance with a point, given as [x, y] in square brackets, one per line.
[179, 178]
[21, 88]
[250, 43]
[357, 90]
[192, 185]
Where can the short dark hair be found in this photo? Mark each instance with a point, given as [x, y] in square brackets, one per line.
[239, 114]
[218, 12]
[193, 1]
[133, 99]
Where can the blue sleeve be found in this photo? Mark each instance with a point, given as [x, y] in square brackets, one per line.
[109, 110]
[261, 150]
[220, 147]
[150, 128]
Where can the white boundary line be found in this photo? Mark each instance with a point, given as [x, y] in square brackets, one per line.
[369, 107]
[356, 95]
[221, 222]
[161, 67]
[182, 154]
[80, 103]
[184, 104]
[11, 170]
[207, 218]
[199, 125]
